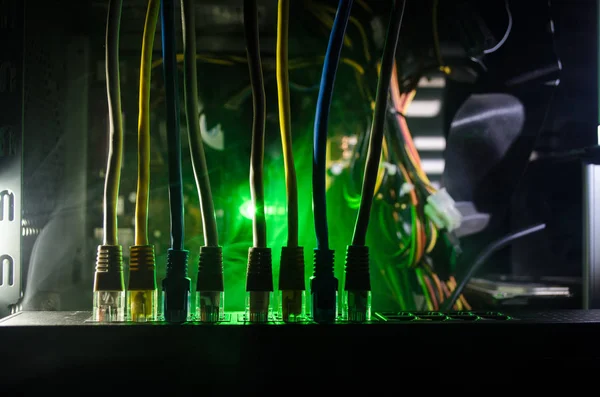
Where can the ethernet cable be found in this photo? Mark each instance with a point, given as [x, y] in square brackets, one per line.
[109, 290]
[259, 278]
[323, 284]
[322, 11]
[142, 292]
[209, 287]
[357, 288]
[291, 269]
[176, 285]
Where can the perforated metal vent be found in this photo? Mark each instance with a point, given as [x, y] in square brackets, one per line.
[433, 316]
[562, 316]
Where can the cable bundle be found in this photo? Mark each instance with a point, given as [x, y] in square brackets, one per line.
[428, 212]
[424, 233]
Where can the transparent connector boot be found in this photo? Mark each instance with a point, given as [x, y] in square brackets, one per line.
[357, 306]
[143, 305]
[160, 316]
[210, 306]
[292, 306]
[258, 306]
[109, 306]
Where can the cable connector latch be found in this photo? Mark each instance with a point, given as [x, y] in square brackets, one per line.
[442, 211]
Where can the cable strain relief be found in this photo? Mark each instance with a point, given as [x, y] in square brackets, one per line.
[210, 269]
[323, 261]
[291, 269]
[109, 268]
[358, 277]
[142, 268]
[259, 275]
[177, 263]
[176, 286]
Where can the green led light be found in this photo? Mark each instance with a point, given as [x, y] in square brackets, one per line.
[247, 210]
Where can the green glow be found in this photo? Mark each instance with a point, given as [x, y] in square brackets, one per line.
[247, 210]
[234, 214]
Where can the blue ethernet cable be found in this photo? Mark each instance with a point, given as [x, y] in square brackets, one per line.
[324, 285]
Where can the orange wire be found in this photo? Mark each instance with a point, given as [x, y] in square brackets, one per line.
[447, 293]
[401, 103]
[438, 284]
[420, 242]
[432, 295]
[461, 298]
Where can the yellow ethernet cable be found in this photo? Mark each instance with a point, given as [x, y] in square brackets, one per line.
[291, 272]
[142, 291]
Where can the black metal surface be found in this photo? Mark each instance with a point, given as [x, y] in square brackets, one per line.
[79, 319]
[52, 347]
[483, 129]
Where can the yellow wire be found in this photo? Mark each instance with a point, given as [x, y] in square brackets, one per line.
[204, 58]
[304, 62]
[285, 122]
[143, 183]
[297, 63]
[421, 279]
[353, 64]
[381, 172]
[364, 5]
[436, 39]
[434, 237]
[451, 286]
[363, 37]
[416, 163]
[433, 240]
[461, 299]
[237, 58]
[464, 302]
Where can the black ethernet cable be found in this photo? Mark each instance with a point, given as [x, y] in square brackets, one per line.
[357, 301]
[483, 257]
[259, 274]
[209, 284]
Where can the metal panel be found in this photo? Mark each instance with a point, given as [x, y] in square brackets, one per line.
[11, 125]
[591, 236]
